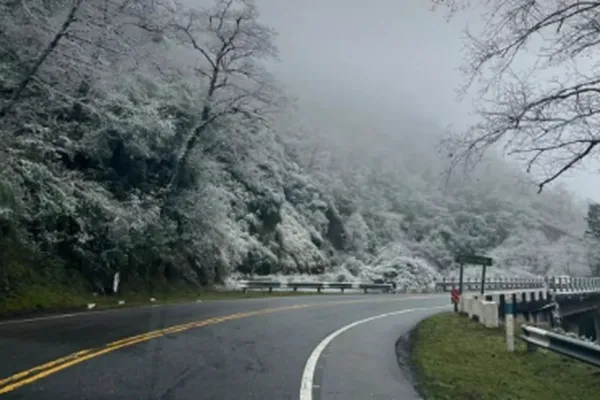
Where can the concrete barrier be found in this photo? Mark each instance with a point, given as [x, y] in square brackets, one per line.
[489, 314]
[488, 309]
[483, 311]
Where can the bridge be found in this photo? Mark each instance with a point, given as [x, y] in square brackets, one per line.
[550, 302]
[540, 306]
[559, 299]
[555, 301]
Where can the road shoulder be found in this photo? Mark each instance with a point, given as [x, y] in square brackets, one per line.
[362, 362]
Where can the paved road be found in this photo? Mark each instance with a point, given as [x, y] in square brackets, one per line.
[246, 349]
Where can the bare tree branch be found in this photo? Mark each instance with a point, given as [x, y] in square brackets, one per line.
[547, 114]
[231, 41]
[18, 91]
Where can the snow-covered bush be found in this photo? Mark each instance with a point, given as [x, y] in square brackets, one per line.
[396, 263]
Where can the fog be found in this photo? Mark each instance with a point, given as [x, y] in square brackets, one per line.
[135, 147]
[358, 66]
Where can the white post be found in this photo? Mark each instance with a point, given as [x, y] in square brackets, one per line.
[470, 303]
[509, 322]
[116, 281]
[490, 314]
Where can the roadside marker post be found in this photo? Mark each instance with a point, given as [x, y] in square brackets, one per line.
[509, 322]
[455, 297]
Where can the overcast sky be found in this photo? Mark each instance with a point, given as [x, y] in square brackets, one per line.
[356, 59]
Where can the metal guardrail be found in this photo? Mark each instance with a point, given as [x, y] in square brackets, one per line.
[557, 284]
[446, 285]
[573, 284]
[319, 286]
[574, 348]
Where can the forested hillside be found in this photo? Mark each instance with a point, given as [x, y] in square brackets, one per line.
[149, 138]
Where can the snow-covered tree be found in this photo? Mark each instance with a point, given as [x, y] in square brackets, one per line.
[537, 94]
[230, 43]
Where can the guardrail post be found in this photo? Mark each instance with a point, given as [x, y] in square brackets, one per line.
[509, 322]
[531, 348]
[597, 326]
[483, 280]
[535, 296]
[501, 308]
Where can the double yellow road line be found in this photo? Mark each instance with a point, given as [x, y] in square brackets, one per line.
[41, 371]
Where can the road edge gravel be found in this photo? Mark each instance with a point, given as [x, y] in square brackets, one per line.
[404, 348]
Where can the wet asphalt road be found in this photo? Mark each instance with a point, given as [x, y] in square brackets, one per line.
[250, 353]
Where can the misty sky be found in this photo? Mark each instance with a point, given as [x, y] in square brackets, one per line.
[359, 61]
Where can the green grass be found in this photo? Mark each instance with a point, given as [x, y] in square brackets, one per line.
[43, 299]
[31, 286]
[40, 297]
[458, 359]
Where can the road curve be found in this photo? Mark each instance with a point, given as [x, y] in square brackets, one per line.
[342, 347]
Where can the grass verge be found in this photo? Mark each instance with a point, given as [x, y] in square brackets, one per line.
[458, 359]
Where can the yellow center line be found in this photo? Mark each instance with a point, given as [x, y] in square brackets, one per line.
[41, 371]
[41, 367]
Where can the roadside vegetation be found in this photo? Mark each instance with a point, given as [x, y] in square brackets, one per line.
[50, 299]
[149, 139]
[458, 359]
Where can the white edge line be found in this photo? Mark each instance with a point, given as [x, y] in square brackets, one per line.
[50, 317]
[306, 385]
[76, 314]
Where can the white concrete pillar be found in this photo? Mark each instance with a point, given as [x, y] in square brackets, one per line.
[509, 323]
[490, 314]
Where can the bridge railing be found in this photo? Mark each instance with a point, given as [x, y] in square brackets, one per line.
[319, 286]
[568, 346]
[573, 284]
[447, 284]
[557, 284]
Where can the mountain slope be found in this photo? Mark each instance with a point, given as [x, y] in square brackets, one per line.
[119, 154]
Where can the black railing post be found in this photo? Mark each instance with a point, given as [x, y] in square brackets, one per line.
[483, 280]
